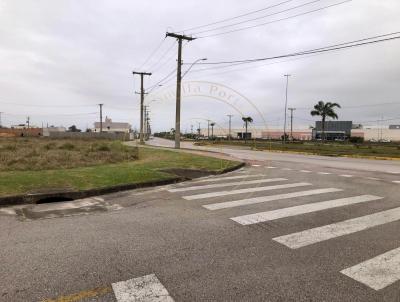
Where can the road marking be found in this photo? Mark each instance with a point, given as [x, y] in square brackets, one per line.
[229, 184]
[315, 235]
[305, 171]
[346, 175]
[249, 201]
[287, 169]
[86, 294]
[378, 272]
[256, 165]
[249, 190]
[228, 178]
[396, 181]
[299, 210]
[324, 173]
[271, 167]
[373, 178]
[146, 288]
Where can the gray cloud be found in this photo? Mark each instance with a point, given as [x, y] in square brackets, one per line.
[63, 57]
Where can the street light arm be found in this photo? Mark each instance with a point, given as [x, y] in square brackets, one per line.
[191, 66]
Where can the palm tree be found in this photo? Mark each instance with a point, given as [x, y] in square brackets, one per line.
[246, 121]
[212, 130]
[325, 110]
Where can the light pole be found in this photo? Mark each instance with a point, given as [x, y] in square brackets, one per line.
[286, 102]
[230, 125]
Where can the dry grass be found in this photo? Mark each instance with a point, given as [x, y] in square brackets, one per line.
[33, 154]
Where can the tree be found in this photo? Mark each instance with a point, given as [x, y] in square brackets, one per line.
[212, 130]
[247, 120]
[325, 110]
[73, 128]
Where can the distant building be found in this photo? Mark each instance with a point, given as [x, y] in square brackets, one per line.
[20, 132]
[334, 130]
[52, 129]
[110, 126]
[394, 127]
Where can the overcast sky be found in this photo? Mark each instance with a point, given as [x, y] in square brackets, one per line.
[59, 58]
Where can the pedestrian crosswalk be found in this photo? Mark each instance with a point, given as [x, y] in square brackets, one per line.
[241, 191]
[256, 200]
[376, 273]
[231, 184]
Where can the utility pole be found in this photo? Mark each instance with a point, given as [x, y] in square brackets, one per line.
[1, 125]
[291, 121]
[180, 38]
[145, 123]
[199, 130]
[28, 120]
[142, 74]
[101, 117]
[230, 125]
[208, 129]
[286, 102]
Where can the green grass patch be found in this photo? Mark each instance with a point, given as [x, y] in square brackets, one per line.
[378, 150]
[23, 154]
[146, 168]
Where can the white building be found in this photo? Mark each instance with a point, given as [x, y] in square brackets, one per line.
[110, 126]
[48, 130]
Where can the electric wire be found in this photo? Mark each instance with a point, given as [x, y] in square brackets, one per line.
[312, 51]
[236, 17]
[152, 53]
[274, 21]
[258, 18]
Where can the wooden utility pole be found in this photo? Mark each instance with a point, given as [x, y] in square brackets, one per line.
[101, 118]
[142, 74]
[230, 125]
[291, 121]
[180, 38]
[1, 125]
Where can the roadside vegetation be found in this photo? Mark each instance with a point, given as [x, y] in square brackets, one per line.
[44, 154]
[134, 165]
[375, 150]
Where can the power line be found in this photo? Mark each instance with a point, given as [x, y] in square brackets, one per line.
[237, 17]
[46, 106]
[152, 67]
[153, 87]
[258, 18]
[275, 21]
[152, 54]
[312, 51]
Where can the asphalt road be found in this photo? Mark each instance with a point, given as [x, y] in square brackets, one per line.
[285, 228]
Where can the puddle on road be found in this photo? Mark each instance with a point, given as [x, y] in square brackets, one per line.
[85, 206]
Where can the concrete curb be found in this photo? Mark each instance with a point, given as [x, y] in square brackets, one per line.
[71, 195]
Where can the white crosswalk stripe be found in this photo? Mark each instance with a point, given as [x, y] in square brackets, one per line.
[229, 184]
[302, 209]
[378, 272]
[212, 179]
[249, 190]
[315, 235]
[146, 288]
[256, 200]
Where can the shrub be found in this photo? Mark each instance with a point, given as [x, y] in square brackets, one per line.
[103, 147]
[356, 140]
[67, 146]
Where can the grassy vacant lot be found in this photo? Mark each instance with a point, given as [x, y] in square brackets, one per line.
[44, 154]
[378, 150]
[133, 166]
